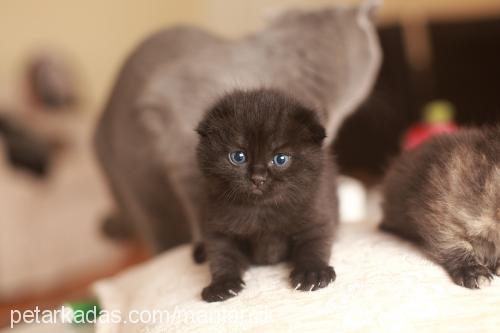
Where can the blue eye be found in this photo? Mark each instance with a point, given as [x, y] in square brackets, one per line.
[237, 157]
[281, 159]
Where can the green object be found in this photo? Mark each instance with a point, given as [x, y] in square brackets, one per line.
[439, 111]
[81, 312]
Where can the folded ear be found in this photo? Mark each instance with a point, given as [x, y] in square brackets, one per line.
[202, 129]
[207, 125]
[309, 119]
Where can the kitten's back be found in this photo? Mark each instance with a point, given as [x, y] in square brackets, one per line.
[451, 177]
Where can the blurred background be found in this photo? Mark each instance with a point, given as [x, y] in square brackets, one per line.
[58, 61]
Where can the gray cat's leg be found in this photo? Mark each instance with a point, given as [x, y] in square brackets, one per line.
[158, 214]
[118, 224]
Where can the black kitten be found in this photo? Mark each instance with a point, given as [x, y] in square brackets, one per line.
[271, 191]
[446, 194]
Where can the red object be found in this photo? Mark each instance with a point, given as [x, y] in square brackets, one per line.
[419, 133]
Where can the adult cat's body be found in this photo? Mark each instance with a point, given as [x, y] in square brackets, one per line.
[446, 195]
[145, 140]
[270, 188]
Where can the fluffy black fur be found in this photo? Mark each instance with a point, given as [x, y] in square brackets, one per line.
[445, 194]
[259, 213]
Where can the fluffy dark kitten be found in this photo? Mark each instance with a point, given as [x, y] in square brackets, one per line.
[446, 194]
[271, 191]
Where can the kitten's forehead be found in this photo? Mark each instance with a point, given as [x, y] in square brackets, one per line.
[264, 117]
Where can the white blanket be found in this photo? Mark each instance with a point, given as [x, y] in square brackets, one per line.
[383, 285]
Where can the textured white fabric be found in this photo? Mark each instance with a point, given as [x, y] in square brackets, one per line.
[383, 285]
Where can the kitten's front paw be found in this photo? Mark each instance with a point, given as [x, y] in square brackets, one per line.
[221, 290]
[473, 276]
[312, 279]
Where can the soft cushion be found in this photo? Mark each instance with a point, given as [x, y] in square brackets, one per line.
[383, 285]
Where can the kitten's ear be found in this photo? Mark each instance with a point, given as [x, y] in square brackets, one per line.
[208, 125]
[309, 119]
[318, 133]
[202, 129]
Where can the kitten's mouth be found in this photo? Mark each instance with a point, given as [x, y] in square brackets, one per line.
[257, 191]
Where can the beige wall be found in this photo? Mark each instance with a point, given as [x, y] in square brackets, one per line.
[97, 34]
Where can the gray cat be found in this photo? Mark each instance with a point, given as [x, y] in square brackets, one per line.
[146, 138]
[445, 194]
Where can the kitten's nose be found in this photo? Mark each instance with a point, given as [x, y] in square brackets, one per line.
[258, 180]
